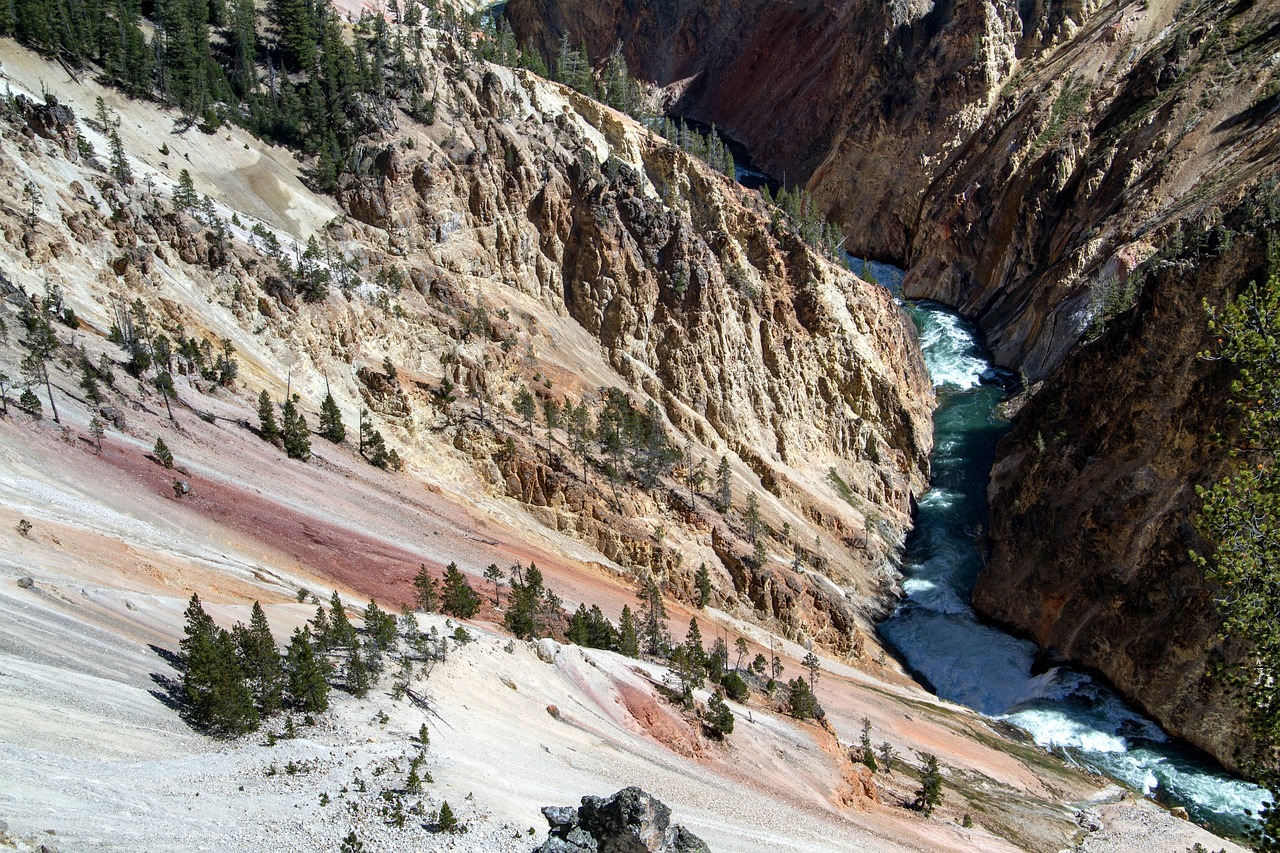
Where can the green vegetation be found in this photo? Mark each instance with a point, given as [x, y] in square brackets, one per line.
[458, 599]
[1240, 517]
[929, 795]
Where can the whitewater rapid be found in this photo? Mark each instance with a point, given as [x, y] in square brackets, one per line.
[936, 631]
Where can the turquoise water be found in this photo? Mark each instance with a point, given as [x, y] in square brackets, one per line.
[963, 660]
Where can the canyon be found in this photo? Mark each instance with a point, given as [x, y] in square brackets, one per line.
[529, 243]
[1075, 177]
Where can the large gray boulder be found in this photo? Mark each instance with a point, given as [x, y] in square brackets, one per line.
[631, 821]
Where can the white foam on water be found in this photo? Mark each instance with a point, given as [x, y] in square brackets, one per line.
[950, 352]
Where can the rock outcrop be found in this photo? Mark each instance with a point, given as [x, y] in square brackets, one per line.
[631, 821]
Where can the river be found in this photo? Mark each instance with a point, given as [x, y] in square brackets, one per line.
[965, 661]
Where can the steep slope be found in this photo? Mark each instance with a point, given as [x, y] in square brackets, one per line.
[493, 255]
[1024, 160]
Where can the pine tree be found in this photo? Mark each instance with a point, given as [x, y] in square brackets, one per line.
[41, 343]
[702, 579]
[814, 665]
[752, 518]
[695, 653]
[523, 616]
[267, 426]
[339, 625]
[357, 670]
[724, 485]
[628, 635]
[653, 616]
[261, 660]
[929, 795]
[425, 588]
[331, 426]
[868, 753]
[801, 703]
[458, 599]
[120, 169]
[294, 431]
[719, 719]
[380, 627]
[163, 453]
[214, 684]
[446, 821]
[526, 407]
[494, 574]
[307, 675]
[297, 29]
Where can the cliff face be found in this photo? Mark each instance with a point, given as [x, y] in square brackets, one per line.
[748, 343]
[1093, 500]
[1024, 160]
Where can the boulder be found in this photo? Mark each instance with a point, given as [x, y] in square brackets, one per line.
[631, 821]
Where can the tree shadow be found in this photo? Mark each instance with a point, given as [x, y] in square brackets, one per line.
[168, 690]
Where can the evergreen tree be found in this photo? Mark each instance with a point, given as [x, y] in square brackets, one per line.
[446, 821]
[523, 616]
[867, 751]
[297, 31]
[41, 343]
[653, 616]
[929, 795]
[261, 661]
[357, 670]
[267, 425]
[702, 579]
[494, 574]
[425, 588]
[752, 518]
[163, 453]
[628, 634]
[214, 684]
[120, 169]
[458, 598]
[344, 636]
[294, 431]
[380, 627]
[724, 485]
[525, 407]
[307, 674]
[694, 650]
[331, 426]
[801, 703]
[814, 665]
[719, 719]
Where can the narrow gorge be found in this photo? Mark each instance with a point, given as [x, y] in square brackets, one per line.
[1077, 178]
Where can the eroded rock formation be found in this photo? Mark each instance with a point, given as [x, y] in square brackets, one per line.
[1024, 160]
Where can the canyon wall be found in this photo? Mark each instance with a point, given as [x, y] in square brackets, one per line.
[1024, 160]
[747, 341]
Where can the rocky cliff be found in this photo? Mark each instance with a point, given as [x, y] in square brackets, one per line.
[1023, 160]
[745, 340]
[1094, 498]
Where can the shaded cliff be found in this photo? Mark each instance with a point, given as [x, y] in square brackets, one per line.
[1024, 160]
[1093, 501]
